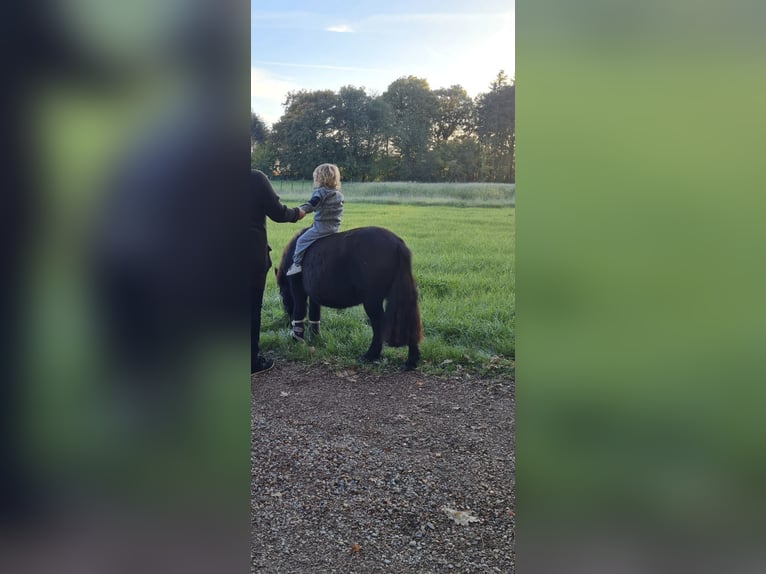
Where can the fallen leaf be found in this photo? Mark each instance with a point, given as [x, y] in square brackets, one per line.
[461, 517]
[446, 362]
[355, 548]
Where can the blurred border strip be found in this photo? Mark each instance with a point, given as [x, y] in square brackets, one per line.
[640, 284]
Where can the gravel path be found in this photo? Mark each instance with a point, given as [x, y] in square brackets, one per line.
[356, 472]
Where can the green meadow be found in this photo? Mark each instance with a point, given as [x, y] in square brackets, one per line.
[463, 262]
[410, 193]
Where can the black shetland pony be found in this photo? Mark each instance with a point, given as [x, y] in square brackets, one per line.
[363, 266]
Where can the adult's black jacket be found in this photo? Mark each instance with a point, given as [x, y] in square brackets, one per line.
[265, 203]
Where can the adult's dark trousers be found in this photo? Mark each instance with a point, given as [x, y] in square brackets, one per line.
[257, 287]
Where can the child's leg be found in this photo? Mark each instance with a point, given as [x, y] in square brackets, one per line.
[303, 243]
[300, 249]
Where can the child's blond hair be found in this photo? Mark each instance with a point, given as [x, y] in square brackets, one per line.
[327, 175]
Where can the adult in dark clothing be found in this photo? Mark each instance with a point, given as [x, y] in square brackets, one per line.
[265, 202]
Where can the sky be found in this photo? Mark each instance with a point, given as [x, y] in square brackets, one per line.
[328, 44]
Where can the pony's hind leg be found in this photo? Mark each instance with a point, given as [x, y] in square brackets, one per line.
[374, 310]
[413, 356]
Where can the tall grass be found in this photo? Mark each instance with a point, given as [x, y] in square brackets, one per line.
[463, 261]
[409, 193]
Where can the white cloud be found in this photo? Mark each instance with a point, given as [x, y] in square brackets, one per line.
[264, 84]
[341, 28]
[487, 58]
[267, 92]
[474, 66]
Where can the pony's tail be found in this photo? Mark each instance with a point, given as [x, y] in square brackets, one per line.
[401, 321]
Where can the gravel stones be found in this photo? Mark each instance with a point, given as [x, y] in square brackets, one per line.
[351, 472]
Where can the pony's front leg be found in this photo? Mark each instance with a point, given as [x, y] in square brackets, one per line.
[374, 311]
[299, 306]
[315, 313]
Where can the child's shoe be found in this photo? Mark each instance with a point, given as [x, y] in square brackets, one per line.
[294, 270]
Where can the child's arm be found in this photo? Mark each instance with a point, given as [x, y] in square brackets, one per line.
[311, 204]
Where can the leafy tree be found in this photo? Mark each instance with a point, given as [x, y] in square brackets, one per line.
[307, 133]
[454, 113]
[413, 108]
[262, 153]
[459, 160]
[259, 132]
[386, 161]
[496, 127]
[357, 131]
[408, 133]
[264, 157]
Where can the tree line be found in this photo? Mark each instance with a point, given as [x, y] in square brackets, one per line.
[408, 133]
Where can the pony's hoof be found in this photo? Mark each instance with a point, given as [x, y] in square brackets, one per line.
[409, 367]
[366, 359]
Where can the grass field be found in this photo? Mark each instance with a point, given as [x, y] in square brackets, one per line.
[410, 193]
[463, 261]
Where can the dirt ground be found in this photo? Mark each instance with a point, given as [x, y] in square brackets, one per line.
[356, 472]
